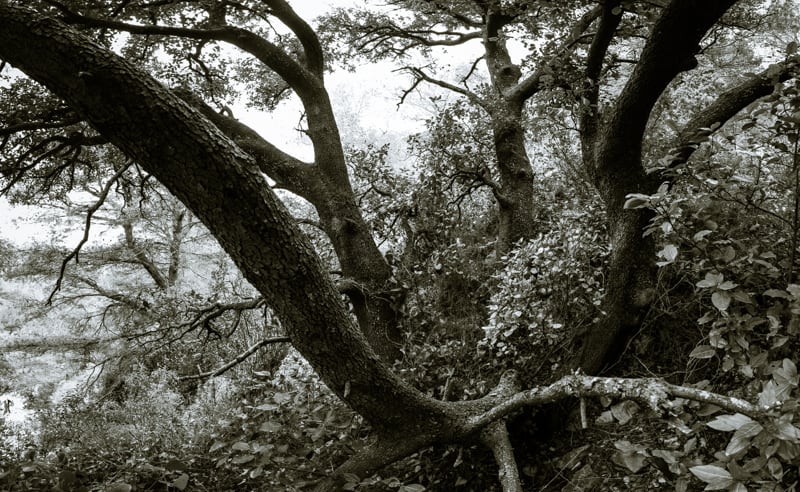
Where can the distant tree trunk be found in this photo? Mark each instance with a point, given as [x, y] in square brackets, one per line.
[516, 202]
[366, 274]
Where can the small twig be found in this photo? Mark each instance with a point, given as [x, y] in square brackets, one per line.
[89, 213]
[238, 360]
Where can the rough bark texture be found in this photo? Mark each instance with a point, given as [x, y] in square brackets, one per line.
[223, 186]
[516, 201]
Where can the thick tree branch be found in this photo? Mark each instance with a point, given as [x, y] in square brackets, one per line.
[671, 49]
[655, 393]
[728, 105]
[304, 82]
[495, 437]
[308, 38]
[288, 172]
[589, 111]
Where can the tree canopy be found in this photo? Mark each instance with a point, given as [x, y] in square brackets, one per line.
[653, 127]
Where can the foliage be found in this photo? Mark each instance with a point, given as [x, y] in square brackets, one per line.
[545, 285]
[731, 229]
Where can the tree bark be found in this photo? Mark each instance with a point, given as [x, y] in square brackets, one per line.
[517, 207]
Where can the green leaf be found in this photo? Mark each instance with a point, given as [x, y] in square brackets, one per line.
[636, 200]
[788, 432]
[738, 487]
[241, 446]
[669, 253]
[624, 411]
[703, 352]
[414, 487]
[711, 280]
[242, 459]
[181, 482]
[632, 461]
[716, 477]
[721, 300]
[791, 48]
[736, 445]
[270, 427]
[727, 423]
[768, 395]
[750, 429]
[699, 236]
[776, 293]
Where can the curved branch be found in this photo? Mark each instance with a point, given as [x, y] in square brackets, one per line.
[654, 392]
[141, 257]
[238, 360]
[728, 105]
[288, 172]
[495, 437]
[530, 85]
[671, 49]
[308, 38]
[421, 75]
[298, 77]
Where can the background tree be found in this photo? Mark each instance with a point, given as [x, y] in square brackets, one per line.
[408, 28]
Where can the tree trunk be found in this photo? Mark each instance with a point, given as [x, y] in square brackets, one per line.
[517, 207]
[612, 152]
[367, 275]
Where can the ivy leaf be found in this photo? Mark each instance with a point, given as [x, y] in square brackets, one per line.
[242, 459]
[769, 395]
[669, 253]
[241, 446]
[727, 423]
[721, 300]
[703, 352]
[181, 482]
[701, 235]
[119, 487]
[716, 477]
[711, 280]
[624, 411]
